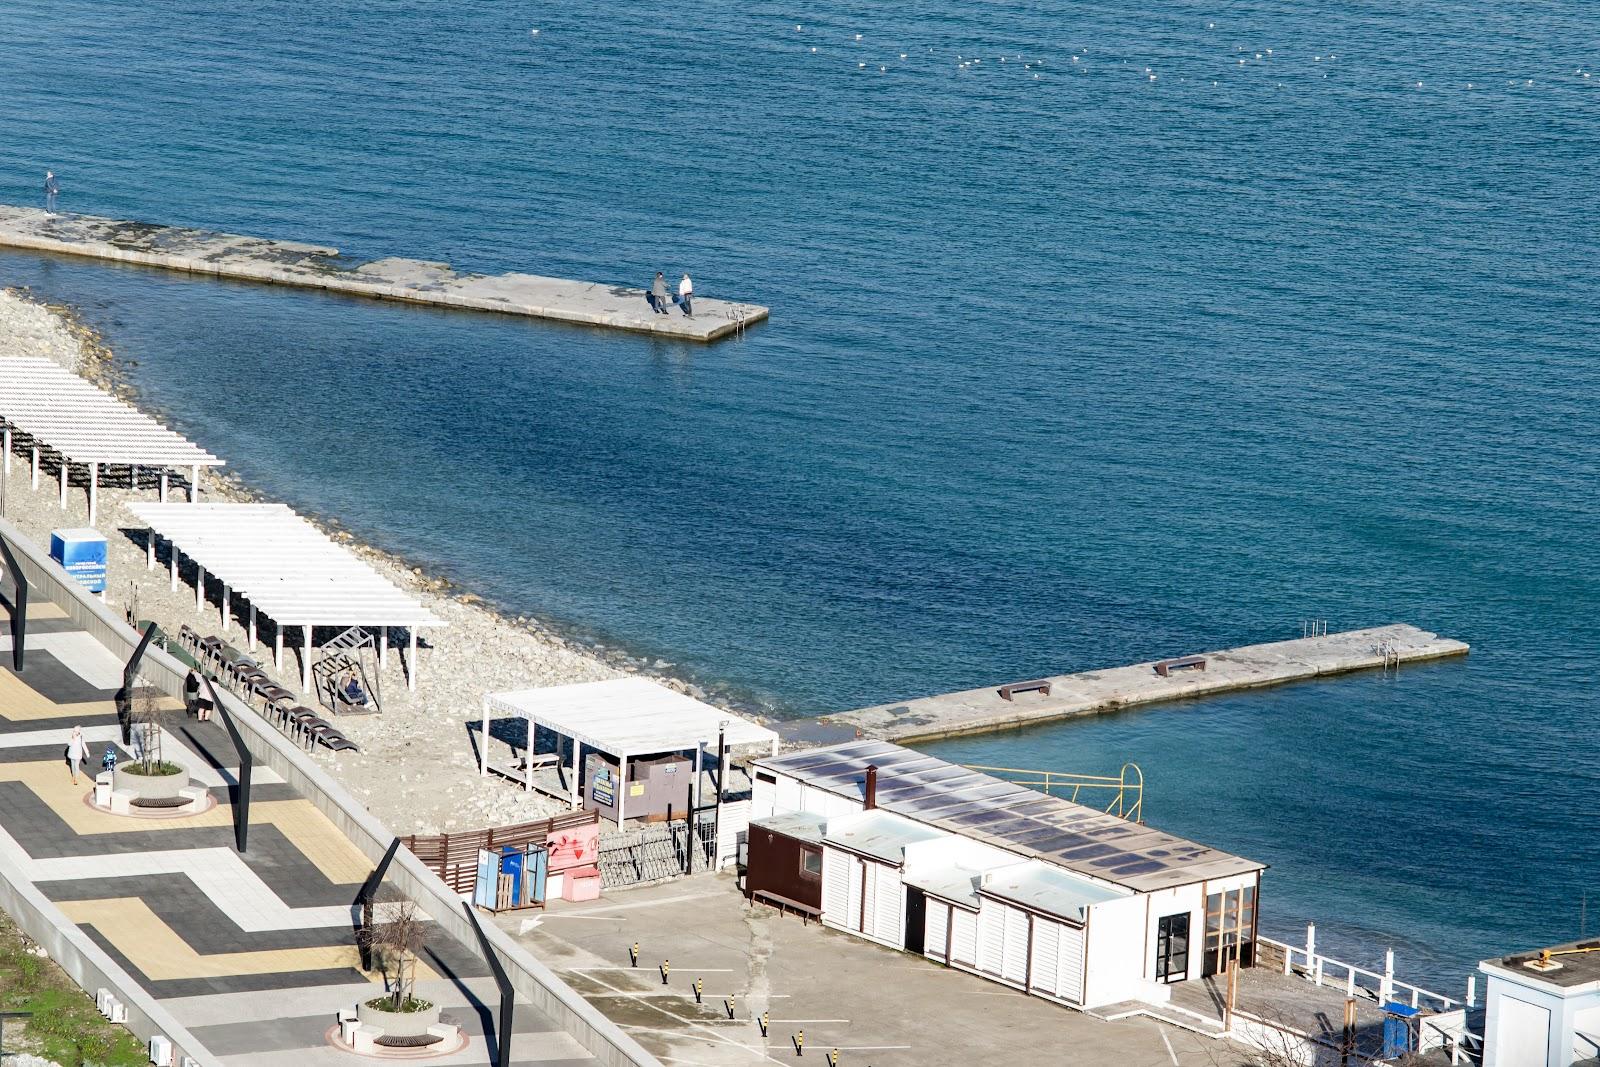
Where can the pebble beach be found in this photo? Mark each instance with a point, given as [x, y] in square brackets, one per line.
[416, 769]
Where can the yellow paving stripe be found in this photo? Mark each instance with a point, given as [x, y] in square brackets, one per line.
[162, 953]
[306, 828]
[20, 702]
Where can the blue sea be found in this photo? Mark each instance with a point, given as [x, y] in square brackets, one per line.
[1099, 332]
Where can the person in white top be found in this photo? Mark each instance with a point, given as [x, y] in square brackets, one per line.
[685, 295]
[76, 750]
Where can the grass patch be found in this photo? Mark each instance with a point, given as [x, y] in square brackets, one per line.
[65, 1026]
[158, 769]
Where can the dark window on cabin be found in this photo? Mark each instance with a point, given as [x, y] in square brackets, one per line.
[810, 864]
[763, 776]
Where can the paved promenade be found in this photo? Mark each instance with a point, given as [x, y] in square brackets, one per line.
[254, 953]
[1091, 692]
[228, 255]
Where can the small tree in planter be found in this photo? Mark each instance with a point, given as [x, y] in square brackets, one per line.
[156, 781]
[147, 718]
[394, 945]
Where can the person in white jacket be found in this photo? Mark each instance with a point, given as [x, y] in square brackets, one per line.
[77, 748]
[685, 295]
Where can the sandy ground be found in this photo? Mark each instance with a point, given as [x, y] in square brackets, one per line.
[416, 769]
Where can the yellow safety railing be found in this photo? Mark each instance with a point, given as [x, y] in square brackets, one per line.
[1127, 798]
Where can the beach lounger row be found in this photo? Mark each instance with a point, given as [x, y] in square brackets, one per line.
[244, 676]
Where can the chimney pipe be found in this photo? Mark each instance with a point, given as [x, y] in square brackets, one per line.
[871, 799]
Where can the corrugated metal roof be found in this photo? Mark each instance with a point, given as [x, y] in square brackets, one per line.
[878, 834]
[1012, 817]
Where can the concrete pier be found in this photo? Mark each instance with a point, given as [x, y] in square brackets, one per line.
[1091, 692]
[257, 259]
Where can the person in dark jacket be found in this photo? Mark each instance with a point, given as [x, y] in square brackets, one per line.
[660, 296]
[52, 189]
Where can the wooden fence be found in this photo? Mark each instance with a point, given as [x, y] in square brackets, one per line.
[454, 857]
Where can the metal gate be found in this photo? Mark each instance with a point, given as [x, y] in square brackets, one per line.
[659, 851]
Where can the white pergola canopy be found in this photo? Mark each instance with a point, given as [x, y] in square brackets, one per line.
[85, 424]
[285, 567]
[624, 717]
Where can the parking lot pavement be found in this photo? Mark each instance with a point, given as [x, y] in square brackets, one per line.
[830, 990]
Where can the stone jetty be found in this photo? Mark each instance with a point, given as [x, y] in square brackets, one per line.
[1091, 692]
[259, 259]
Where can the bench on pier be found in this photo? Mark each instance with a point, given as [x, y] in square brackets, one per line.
[1008, 692]
[1182, 663]
[783, 903]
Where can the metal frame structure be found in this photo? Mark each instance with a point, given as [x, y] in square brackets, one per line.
[1046, 781]
[17, 605]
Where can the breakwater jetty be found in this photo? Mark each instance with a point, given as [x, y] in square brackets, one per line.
[1066, 696]
[259, 259]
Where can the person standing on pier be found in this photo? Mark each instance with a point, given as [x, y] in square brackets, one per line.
[686, 294]
[51, 189]
[659, 297]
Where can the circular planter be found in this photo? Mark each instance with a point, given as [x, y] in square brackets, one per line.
[149, 786]
[398, 1023]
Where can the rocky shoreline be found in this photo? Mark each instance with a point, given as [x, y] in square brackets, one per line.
[416, 769]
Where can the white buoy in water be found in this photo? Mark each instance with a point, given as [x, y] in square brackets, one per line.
[797, 27]
[858, 37]
[533, 33]
[1211, 26]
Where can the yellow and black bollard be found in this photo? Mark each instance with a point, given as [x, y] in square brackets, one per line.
[833, 1058]
[666, 971]
[727, 1002]
[800, 1043]
[763, 1024]
[633, 955]
[699, 984]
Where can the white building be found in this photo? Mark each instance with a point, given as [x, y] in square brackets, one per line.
[1542, 1009]
[1056, 899]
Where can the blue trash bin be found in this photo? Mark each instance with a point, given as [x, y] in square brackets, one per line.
[1399, 1029]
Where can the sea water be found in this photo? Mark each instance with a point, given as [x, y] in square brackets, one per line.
[1100, 332]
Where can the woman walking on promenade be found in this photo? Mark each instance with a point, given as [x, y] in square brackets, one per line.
[76, 750]
[659, 297]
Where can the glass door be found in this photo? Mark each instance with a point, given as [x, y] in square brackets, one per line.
[1172, 948]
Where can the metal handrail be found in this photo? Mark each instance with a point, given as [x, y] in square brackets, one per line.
[1129, 781]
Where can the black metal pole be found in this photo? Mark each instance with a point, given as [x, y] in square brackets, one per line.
[508, 995]
[369, 891]
[241, 809]
[129, 674]
[693, 823]
[18, 606]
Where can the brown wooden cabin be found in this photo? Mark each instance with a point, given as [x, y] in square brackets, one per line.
[784, 862]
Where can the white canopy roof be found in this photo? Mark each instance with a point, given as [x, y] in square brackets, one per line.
[84, 423]
[628, 716]
[283, 565]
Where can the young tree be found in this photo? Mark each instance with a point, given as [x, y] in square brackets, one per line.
[394, 944]
[147, 714]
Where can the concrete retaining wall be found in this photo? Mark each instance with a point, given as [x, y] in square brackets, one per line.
[535, 983]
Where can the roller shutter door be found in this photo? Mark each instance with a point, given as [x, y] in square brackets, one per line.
[888, 899]
[963, 937]
[1043, 962]
[838, 878]
[991, 937]
[935, 928]
[1069, 964]
[1014, 962]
